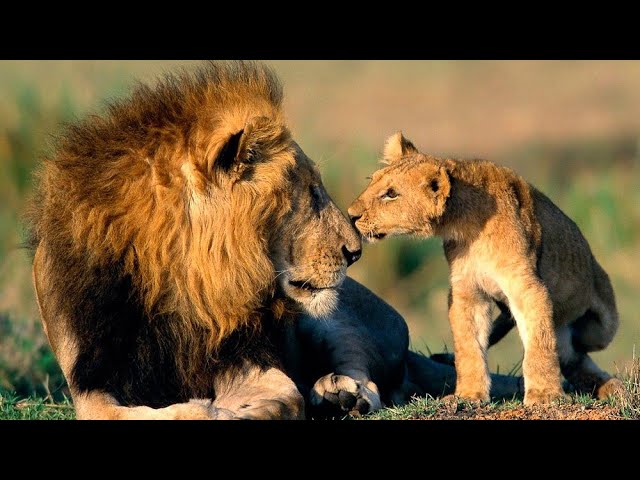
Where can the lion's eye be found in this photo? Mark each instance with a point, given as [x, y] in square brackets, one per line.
[390, 194]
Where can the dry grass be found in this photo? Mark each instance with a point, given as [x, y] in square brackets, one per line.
[578, 407]
[629, 405]
[573, 128]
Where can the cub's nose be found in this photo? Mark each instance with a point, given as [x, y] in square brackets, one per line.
[355, 212]
[350, 256]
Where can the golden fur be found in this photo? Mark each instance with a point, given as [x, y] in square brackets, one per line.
[506, 243]
[191, 201]
[185, 248]
[160, 216]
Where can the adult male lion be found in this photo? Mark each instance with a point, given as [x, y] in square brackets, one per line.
[190, 264]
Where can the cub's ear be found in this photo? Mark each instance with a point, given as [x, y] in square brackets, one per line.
[397, 147]
[439, 185]
[239, 149]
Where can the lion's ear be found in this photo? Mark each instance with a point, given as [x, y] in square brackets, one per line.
[240, 149]
[228, 154]
[397, 147]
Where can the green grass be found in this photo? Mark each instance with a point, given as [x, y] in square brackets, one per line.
[430, 408]
[425, 408]
[13, 408]
[28, 367]
[581, 149]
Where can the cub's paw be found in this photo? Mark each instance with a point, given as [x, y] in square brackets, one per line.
[474, 398]
[339, 394]
[611, 388]
[544, 397]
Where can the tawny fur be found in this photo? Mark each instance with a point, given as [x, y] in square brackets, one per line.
[195, 199]
[190, 264]
[505, 242]
[166, 139]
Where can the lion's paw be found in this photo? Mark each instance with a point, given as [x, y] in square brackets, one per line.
[341, 394]
[197, 409]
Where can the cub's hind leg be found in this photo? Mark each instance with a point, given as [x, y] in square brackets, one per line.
[591, 332]
[595, 329]
[580, 369]
[502, 325]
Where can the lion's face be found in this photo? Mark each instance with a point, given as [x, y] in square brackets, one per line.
[314, 243]
[268, 224]
[407, 197]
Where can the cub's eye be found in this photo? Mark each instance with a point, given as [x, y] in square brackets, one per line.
[390, 194]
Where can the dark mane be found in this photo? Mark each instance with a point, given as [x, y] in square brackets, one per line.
[138, 273]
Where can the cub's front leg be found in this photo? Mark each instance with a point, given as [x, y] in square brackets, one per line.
[470, 319]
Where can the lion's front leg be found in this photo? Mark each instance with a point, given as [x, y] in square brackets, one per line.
[103, 406]
[355, 359]
[256, 394]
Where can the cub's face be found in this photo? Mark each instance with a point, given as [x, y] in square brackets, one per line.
[405, 198]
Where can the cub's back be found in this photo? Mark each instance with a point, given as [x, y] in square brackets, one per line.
[566, 259]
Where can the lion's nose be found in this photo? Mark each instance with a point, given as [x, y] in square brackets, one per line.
[354, 219]
[351, 256]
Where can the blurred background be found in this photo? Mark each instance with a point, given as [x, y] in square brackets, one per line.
[572, 128]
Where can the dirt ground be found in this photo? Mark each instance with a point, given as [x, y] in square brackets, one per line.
[556, 412]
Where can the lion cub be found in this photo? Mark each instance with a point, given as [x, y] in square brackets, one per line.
[507, 243]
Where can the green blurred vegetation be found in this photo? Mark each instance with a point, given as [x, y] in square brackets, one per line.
[571, 128]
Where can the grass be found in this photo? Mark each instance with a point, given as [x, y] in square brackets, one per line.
[577, 407]
[582, 407]
[630, 405]
[571, 128]
[14, 408]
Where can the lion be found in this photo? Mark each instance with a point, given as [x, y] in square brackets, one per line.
[189, 264]
[506, 243]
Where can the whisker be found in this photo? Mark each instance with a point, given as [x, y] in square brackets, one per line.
[291, 269]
